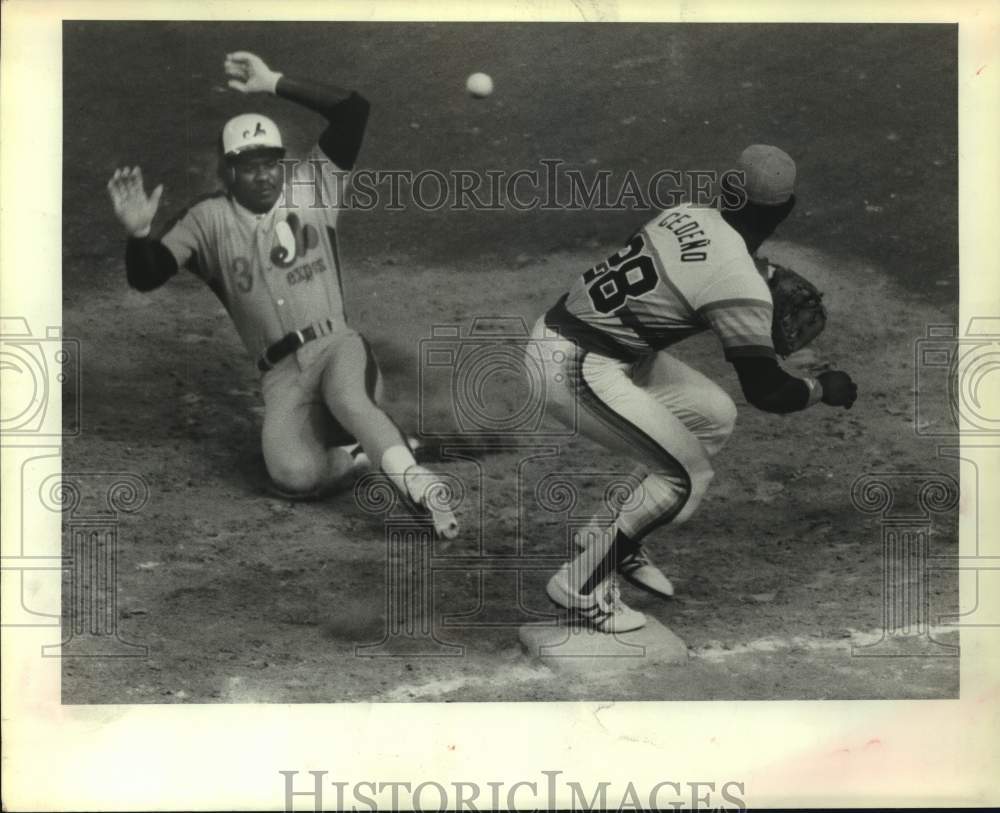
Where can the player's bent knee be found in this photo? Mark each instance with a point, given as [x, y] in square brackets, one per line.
[694, 490]
[719, 414]
[296, 480]
[725, 415]
[717, 408]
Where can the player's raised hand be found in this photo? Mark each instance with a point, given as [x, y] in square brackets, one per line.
[248, 73]
[133, 207]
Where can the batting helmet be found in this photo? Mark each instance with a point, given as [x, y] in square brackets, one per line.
[250, 131]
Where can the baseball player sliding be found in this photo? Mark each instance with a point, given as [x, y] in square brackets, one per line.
[267, 247]
[602, 346]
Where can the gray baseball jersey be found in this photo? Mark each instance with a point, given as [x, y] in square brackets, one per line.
[277, 272]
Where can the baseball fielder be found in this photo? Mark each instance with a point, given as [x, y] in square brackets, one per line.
[602, 347]
[267, 247]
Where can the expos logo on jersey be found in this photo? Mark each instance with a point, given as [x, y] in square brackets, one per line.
[292, 241]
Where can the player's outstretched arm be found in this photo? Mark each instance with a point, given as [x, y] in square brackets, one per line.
[148, 263]
[345, 111]
[769, 388]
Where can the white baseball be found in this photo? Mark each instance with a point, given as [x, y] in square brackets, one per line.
[479, 85]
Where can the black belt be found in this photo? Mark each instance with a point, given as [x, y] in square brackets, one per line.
[587, 336]
[288, 344]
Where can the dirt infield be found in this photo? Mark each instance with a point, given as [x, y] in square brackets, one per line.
[244, 597]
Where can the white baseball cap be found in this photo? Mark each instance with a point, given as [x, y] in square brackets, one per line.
[250, 131]
[769, 172]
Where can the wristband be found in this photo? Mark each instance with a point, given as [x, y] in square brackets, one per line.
[815, 391]
[273, 86]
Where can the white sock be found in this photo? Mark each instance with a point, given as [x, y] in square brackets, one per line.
[394, 464]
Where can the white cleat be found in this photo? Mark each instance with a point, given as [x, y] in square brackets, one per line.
[432, 496]
[603, 609]
[639, 569]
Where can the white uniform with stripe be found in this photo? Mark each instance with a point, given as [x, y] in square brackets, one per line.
[603, 350]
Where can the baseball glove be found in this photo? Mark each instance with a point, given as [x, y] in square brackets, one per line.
[799, 315]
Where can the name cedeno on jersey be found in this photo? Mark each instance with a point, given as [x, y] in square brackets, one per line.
[686, 232]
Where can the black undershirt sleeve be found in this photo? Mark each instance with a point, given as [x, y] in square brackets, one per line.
[345, 111]
[148, 263]
[768, 387]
